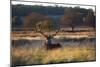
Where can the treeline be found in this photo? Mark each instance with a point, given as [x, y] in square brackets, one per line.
[27, 16]
[23, 10]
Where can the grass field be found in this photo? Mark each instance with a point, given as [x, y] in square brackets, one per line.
[21, 55]
[29, 55]
[34, 34]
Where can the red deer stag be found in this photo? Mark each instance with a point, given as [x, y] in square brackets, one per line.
[48, 44]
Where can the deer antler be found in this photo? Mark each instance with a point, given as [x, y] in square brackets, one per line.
[43, 34]
[38, 29]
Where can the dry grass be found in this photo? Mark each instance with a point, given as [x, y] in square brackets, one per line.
[29, 55]
[34, 34]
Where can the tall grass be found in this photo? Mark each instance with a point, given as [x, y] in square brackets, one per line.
[30, 55]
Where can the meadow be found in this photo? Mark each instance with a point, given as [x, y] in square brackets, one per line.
[29, 55]
[70, 31]
[74, 49]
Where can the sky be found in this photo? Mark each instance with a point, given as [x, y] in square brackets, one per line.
[84, 3]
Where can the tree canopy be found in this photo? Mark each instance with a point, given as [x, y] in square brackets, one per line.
[28, 16]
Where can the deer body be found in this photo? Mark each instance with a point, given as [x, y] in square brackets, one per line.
[50, 45]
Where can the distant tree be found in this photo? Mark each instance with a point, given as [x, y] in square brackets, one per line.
[16, 22]
[32, 19]
[78, 19]
[90, 19]
[72, 20]
[67, 20]
[77, 9]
